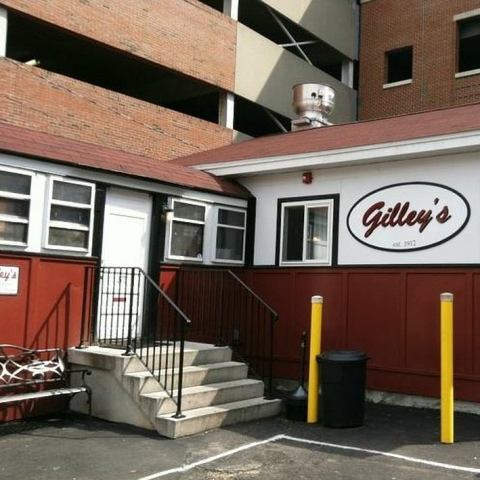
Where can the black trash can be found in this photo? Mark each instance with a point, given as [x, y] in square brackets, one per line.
[342, 378]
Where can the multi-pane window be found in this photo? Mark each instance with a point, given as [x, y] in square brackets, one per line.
[186, 230]
[469, 45]
[306, 232]
[230, 240]
[70, 215]
[205, 232]
[14, 207]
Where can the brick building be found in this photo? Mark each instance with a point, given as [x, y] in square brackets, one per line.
[180, 76]
[418, 55]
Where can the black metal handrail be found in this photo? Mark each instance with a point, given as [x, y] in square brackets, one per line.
[226, 311]
[134, 313]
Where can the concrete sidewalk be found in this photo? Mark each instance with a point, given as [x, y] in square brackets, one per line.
[80, 448]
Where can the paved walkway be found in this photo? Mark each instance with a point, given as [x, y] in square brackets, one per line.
[395, 443]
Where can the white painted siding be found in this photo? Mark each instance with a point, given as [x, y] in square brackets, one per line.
[460, 172]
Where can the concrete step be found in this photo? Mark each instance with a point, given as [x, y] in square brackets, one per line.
[140, 383]
[204, 374]
[194, 354]
[201, 396]
[202, 419]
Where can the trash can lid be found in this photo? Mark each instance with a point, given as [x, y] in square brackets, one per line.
[300, 394]
[344, 356]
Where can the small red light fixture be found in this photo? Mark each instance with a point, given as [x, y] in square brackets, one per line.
[307, 177]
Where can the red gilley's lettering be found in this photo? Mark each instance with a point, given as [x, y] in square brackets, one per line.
[400, 215]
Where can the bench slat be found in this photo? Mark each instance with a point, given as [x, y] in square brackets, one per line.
[41, 394]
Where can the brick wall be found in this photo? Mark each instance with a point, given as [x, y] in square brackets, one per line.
[428, 26]
[40, 100]
[183, 35]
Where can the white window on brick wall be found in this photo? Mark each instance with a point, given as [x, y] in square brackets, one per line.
[15, 196]
[306, 232]
[230, 235]
[469, 45]
[70, 215]
[399, 65]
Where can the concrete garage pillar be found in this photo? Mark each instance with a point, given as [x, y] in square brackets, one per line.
[3, 32]
[347, 73]
[230, 8]
[226, 110]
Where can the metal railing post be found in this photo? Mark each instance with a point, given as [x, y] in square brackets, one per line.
[84, 307]
[178, 413]
[129, 349]
[270, 360]
[220, 340]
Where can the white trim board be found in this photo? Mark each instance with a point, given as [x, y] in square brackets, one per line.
[117, 180]
[402, 150]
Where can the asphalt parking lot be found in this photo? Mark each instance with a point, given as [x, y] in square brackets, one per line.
[395, 443]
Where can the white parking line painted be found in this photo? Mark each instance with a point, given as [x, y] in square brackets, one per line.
[188, 467]
[276, 438]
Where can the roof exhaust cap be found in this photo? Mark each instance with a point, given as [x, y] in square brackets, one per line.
[313, 103]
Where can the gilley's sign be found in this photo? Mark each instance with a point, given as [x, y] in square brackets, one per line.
[408, 216]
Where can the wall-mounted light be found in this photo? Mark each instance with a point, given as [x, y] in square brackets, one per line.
[307, 177]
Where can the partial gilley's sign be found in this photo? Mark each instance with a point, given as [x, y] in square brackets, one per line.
[9, 280]
[408, 216]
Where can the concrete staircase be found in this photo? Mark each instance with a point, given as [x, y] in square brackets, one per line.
[216, 390]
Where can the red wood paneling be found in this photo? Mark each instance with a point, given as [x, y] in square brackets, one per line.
[375, 317]
[46, 313]
[391, 313]
[423, 313]
[476, 324]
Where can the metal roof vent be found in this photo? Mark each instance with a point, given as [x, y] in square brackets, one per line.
[313, 103]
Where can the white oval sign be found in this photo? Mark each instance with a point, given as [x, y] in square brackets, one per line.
[408, 216]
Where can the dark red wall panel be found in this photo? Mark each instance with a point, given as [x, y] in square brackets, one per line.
[375, 317]
[476, 324]
[391, 313]
[47, 312]
[423, 320]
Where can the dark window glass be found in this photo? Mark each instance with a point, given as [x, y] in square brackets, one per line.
[187, 240]
[229, 244]
[61, 213]
[64, 237]
[399, 65]
[13, 232]
[189, 211]
[17, 208]
[231, 217]
[14, 183]
[469, 45]
[71, 192]
[293, 227]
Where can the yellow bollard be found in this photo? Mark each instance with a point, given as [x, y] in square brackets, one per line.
[446, 340]
[315, 343]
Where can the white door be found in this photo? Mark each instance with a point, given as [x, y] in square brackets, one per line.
[126, 235]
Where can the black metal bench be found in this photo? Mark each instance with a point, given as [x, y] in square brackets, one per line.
[24, 373]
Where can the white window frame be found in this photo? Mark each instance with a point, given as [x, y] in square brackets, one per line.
[171, 218]
[458, 20]
[330, 204]
[233, 227]
[18, 196]
[68, 225]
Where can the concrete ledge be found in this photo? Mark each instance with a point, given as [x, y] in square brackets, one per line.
[417, 401]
